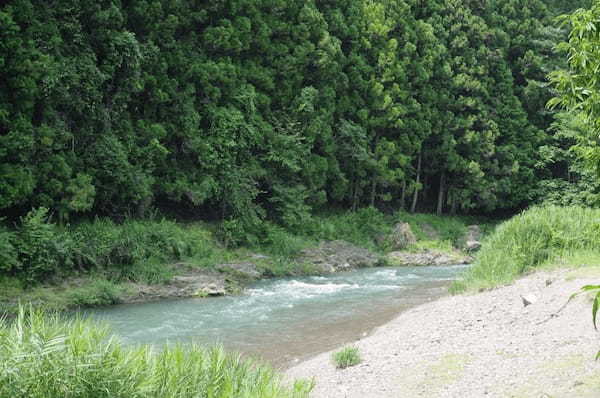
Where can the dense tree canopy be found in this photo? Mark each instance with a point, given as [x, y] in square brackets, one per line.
[246, 109]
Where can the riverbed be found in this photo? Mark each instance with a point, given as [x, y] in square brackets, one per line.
[284, 320]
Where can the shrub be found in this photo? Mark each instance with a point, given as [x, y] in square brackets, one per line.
[48, 357]
[360, 227]
[346, 357]
[98, 292]
[41, 247]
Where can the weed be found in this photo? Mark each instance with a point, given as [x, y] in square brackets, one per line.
[346, 357]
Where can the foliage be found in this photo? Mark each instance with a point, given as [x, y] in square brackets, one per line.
[98, 292]
[346, 357]
[84, 361]
[577, 86]
[248, 110]
[538, 236]
[42, 249]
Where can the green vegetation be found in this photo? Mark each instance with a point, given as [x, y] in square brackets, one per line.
[249, 110]
[346, 357]
[102, 262]
[48, 357]
[539, 237]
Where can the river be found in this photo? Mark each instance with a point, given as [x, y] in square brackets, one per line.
[284, 320]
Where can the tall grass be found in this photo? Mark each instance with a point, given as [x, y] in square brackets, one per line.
[534, 238]
[48, 357]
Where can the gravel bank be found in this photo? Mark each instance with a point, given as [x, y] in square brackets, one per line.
[483, 345]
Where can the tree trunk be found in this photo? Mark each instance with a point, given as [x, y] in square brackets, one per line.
[403, 195]
[440, 203]
[373, 192]
[413, 207]
[355, 196]
[453, 205]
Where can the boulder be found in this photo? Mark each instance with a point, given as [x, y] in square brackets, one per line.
[427, 258]
[472, 239]
[472, 246]
[198, 285]
[400, 238]
[243, 271]
[338, 255]
[191, 284]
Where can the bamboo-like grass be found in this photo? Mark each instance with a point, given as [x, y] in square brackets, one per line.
[46, 356]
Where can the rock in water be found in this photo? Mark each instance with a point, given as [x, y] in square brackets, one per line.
[338, 255]
[243, 271]
[427, 258]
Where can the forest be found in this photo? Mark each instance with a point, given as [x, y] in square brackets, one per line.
[153, 150]
[245, 110]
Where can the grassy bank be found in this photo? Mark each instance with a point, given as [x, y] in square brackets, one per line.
[46, 357]
[541, 237]
[96, 262]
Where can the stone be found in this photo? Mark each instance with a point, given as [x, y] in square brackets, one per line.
[472, 239]
[243, 271]
[401, 237]
[528, 299]
[192, 284]
[427, 258]
[338, 255]
[472, 245]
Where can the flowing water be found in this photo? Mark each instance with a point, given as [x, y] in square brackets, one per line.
[284, 320]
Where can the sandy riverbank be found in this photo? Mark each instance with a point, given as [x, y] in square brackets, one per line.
[482, 345]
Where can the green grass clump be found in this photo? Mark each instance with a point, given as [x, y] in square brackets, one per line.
[48, 357]
[360, 227]
[346, 357]
[540, 236]
[97, 292]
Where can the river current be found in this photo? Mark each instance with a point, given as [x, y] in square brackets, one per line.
[284, 320]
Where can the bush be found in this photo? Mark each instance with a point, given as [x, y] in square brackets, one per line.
[360, 227]
[42, 249]
[138, 250]
[48, 357]
[98, 292]
[538, 236]
[103, 243]
[346, 357]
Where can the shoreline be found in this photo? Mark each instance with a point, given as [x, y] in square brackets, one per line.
[225, 279]
[486, 344]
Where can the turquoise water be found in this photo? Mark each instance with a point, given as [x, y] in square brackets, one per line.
[283, 320]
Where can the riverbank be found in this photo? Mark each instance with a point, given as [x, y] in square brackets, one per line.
[103, 263]
[487, 344]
